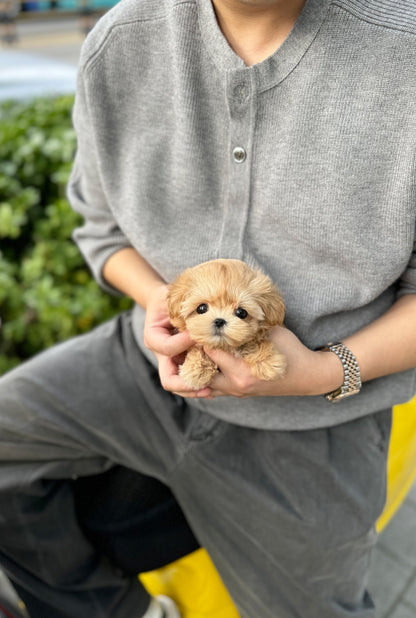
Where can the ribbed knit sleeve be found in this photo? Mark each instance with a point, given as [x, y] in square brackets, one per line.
[100, 236]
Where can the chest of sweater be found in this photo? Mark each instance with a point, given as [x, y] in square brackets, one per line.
[308, 174]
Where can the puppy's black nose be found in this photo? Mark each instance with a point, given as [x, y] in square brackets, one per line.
[219, 323]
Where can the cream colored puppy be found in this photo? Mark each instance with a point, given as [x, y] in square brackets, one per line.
[227, 305]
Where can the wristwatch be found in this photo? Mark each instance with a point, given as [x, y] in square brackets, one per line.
[352, 376]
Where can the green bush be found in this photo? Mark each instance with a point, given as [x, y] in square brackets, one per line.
[46, 292]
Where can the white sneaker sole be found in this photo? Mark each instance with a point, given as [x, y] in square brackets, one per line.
[169, 606]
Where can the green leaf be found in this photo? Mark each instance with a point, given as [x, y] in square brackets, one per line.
[46, 292]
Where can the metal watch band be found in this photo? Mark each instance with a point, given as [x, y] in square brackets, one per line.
[352, 376]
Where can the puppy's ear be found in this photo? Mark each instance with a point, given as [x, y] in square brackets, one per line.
[177, 293]
[270, 300]
[274, 308]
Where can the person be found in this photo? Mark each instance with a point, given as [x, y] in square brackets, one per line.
[9, 10]
[86, 16]
[279, 132]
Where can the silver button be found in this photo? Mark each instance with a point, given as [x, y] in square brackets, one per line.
[239, 154]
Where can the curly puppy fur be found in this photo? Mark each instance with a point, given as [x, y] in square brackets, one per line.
[227, 305]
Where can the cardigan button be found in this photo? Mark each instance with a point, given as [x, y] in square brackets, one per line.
[239, 154]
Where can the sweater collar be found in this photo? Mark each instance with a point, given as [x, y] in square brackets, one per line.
[276, 67]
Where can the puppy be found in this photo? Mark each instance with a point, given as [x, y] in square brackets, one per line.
[227, 305]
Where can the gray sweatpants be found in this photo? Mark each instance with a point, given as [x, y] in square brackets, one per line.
[287, 517]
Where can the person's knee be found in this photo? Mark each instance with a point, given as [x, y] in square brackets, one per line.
[10, 385]
[15, 386]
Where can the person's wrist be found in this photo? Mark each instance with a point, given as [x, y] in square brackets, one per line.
[157, 290]
[329, 373]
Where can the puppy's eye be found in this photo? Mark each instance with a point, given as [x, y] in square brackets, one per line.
[203, 308]
[241, 313]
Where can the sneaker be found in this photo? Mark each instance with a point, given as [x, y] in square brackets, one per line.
[169, 607]
[160, 607]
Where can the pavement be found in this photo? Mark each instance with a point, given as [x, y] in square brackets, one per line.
[393, 569]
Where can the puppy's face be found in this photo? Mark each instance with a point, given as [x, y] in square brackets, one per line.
[224, 303]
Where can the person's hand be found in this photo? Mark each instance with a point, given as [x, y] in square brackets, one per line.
[168, 347]
[308, 372]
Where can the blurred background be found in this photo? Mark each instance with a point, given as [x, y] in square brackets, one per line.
[54, 28]
[46, 292]
[34, 30]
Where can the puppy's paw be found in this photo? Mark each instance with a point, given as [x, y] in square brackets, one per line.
[270, 368]
[198, 369]
[266, 363]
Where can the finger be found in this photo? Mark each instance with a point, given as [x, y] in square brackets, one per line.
[172, 381]
[218, 385]
[226, 362]
[176, 344]
[233, 378]
[214, 395]
[160, 339]
[205, 393]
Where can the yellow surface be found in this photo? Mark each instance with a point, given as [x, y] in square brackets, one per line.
[402, 459]
[195, 585]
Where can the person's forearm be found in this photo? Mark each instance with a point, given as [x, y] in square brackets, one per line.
[129, 273]
[384, 347]
[388, 344]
